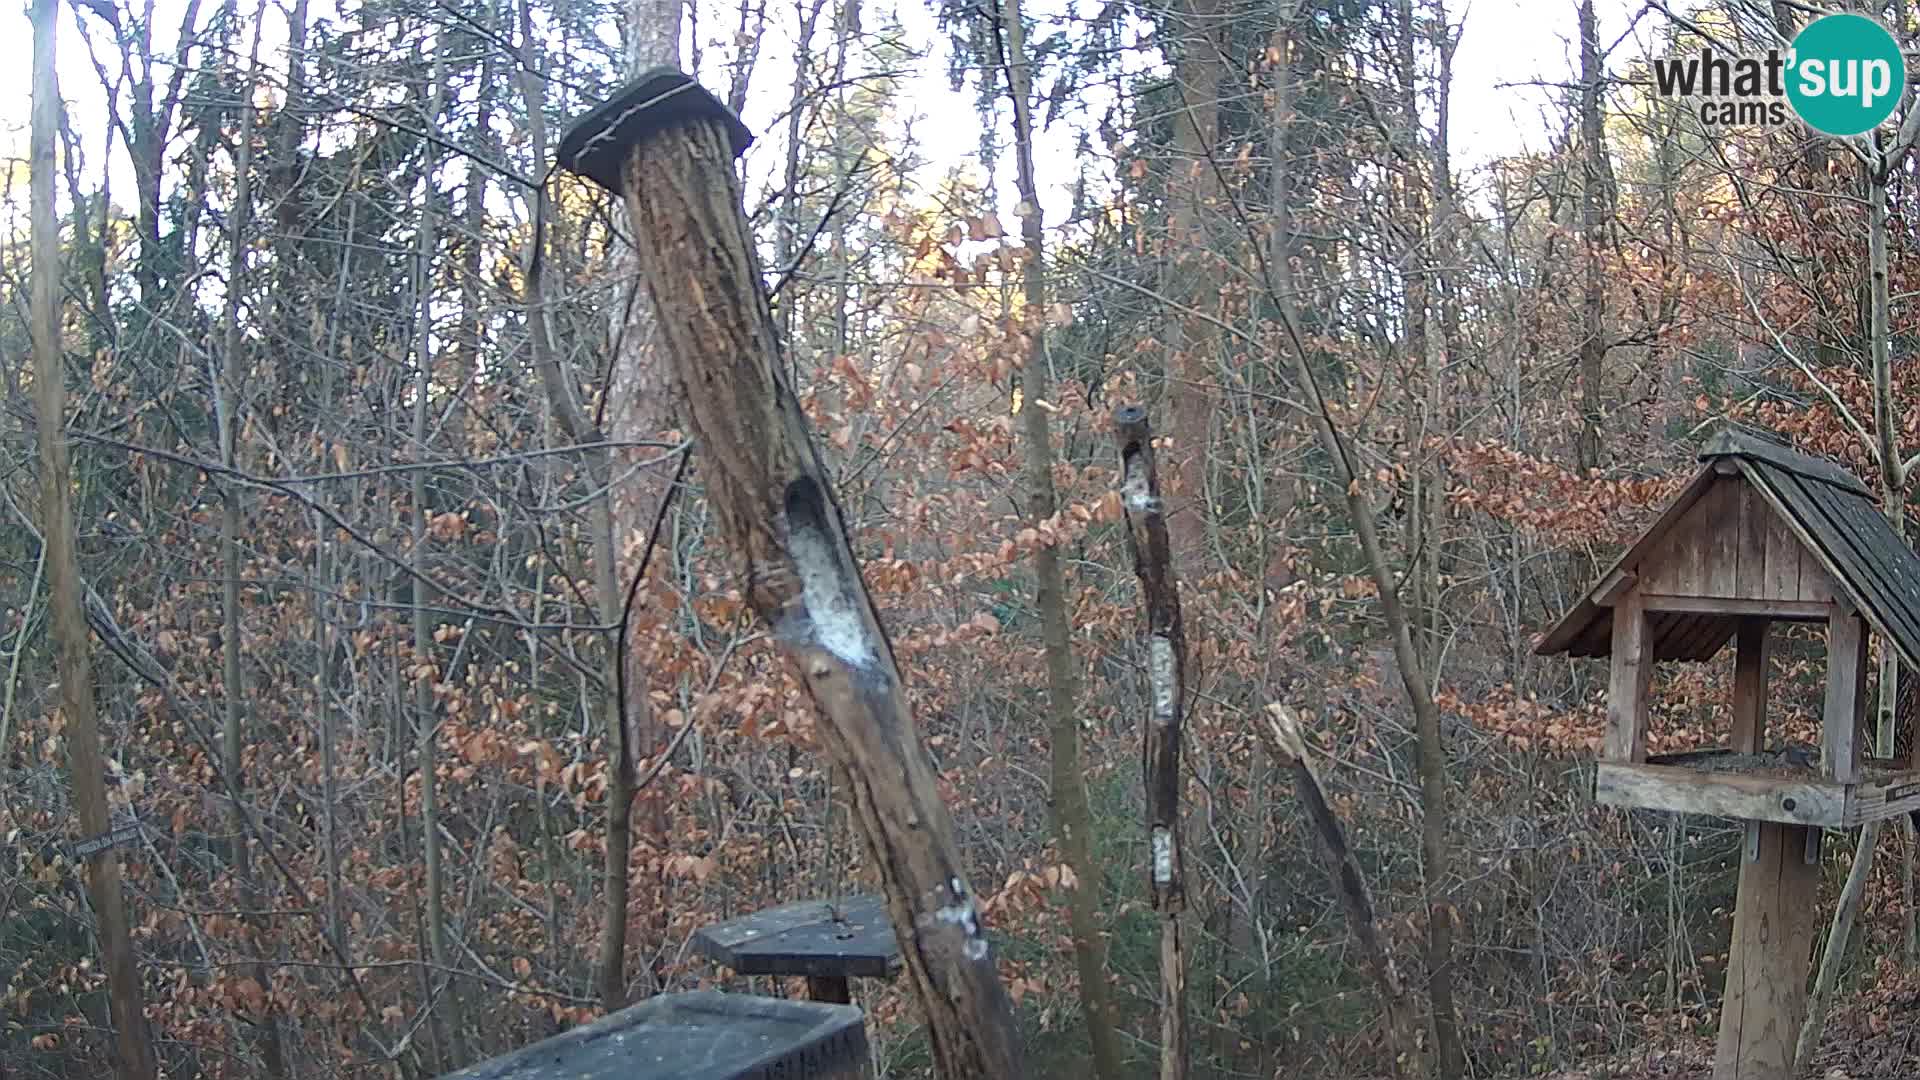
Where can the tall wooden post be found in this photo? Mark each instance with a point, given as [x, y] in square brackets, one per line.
[1773, 917]
[668, 147]
[1160, 738]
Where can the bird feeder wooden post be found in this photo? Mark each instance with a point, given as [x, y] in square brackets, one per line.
[1763, 534]
[667, 146]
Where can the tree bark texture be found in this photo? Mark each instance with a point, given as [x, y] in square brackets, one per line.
[774, 507]
[1282, 734]
[134, 1050]
[1160, 737]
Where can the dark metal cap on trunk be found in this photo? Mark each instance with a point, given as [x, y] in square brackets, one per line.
[596, 145]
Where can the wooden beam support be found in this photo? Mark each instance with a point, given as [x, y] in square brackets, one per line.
[1627, 690]
[1773, 928]
[1751, 660]
[1840, 722]
[1807, 610]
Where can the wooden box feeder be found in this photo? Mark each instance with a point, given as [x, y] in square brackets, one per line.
[828, 942]
[1762, 534]
[699, 1036]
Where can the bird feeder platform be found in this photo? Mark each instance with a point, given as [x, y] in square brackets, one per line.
[697, 1036]
[1762, 534]
[828, 942]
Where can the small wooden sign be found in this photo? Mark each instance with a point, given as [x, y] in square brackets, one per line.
[1895, 794]
[119, 834]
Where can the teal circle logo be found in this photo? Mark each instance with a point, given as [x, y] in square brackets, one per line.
[1846, 74]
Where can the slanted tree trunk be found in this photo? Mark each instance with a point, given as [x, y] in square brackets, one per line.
[775, 508]
[134, 1058]
[1160, 736]
[1281, 733]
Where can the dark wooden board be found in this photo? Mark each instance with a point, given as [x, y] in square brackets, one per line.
[1730, 443]
[1873, 566]
[806, 939]
[697, 1036]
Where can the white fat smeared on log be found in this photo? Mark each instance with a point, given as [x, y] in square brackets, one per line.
[833, 618]
[1162, 855]
[1133, 489]
[1160, 673]
[961, 915]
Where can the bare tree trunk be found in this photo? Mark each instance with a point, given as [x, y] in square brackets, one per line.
[1893, 498]
[1160, 736]
[639, 402]
[1072, 819]
[426, 671]
[1199, 72]
[228, 399]
[1593, 346]
[134, 1058]
[623, 721]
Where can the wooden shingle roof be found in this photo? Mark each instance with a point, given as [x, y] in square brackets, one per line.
[1834, 516]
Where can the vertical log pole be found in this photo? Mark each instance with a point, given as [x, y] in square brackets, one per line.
[1773, 928]
[134, 1059]
[1160, 738]
[667, 146]
[1773, 917]
[1846, 670]
[1627, 690]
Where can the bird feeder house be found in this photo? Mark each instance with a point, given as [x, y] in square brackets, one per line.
[1762, 534]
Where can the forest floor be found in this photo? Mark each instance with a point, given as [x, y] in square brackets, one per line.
[1870, 1037]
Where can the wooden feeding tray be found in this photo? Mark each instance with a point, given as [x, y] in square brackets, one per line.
[698, 1036]
[826, 941]
[1783, 786]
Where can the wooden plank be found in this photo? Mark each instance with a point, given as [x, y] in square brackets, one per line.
[1816, 585]
[852, 938]
[1839, 727]
[1783, 555]
[1766, 991]
[1627, 688]
[702, 1035]
[1740, 444]
[1677, 790]
[1722, 605]
[1756, 518]
[1721, 538]
[1707, 635]
[1895, 571]
[1858, 545]
[1889, 798]
[1610, 588]
[1573, 626]
[1751, 660]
